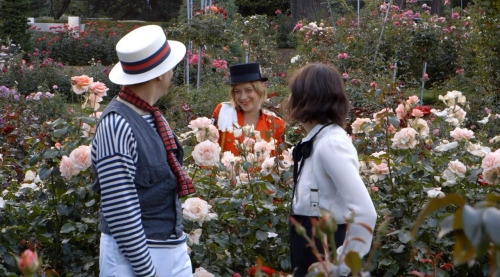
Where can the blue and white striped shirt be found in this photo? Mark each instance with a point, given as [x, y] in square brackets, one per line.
[115, 157]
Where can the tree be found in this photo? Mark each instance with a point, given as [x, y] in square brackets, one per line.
[58, 7]
[15, 23]
[309, 9]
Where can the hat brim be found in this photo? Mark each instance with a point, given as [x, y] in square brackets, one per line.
[263, 79]
[177, 53]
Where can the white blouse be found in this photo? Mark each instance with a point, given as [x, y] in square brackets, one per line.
[330, 181]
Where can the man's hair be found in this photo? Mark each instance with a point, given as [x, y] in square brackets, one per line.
[317, 94]
[258, 86]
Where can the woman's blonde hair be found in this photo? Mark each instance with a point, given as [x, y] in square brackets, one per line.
[258, 86]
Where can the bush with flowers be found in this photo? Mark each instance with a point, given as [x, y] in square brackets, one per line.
[47, 197]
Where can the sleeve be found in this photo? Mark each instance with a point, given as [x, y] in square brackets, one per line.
[280, 130]
[215, 114]
[340, 163]
[115, 159]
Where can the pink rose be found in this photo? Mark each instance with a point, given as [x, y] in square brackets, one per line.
[491, 160]
[425, 76]
[345, 75]
[412, 99]
[417, 113]
[402, 110]
[200, 122]
[460, 71]
[373, 84]
[81, 84]
[80, 157]
[462, 134]
[206, 153]
[28, 263]
[405, 139]
[99, 89]
[455, 15]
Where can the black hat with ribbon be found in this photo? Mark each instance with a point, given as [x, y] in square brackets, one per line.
[244, 72]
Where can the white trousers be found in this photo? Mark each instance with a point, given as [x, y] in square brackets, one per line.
[168, 261]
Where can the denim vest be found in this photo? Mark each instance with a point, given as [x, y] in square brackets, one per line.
[155, 182]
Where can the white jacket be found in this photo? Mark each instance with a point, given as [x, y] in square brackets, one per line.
[330, 181]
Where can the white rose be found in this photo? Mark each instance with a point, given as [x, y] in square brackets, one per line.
[197, 210]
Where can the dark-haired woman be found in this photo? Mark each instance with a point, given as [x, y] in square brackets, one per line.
[248, 93]
[326, 174]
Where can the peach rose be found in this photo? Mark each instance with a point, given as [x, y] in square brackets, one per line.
[462, 134]
[66, 168]
[262, 150]
[206, 153]
[358, 124]
[420, 126]
[80, 158]
[81, 84]
[201, 272]
[200, 122]
[197, 210]
[379, 169]
[402, 110]
[268, 164]
[435, 193]
[455, 170]
[405, 138]
[381, 114]
[194, 237]
[209, 133]
[98, 89]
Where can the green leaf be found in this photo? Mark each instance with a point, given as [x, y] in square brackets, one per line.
[90, 203]
[462, 250]
[60, 132]
[491, 220]
[472, 225]
[404, 236]
[435, 204]
[57, 122]
[260, 235]
[446, 226]
[50, 153]
[68, 227]
[44, 173]
[353, 261]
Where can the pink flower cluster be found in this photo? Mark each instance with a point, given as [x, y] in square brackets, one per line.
[221, 64]
[83, 83]
[342, 56]
[79, 160]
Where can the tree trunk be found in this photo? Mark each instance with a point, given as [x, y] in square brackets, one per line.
[308, 9]
[58, 7]
[436, 6]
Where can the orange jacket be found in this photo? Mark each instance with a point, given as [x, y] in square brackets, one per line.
[269, 125]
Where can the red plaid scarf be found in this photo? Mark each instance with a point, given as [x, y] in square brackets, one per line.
[185, 185]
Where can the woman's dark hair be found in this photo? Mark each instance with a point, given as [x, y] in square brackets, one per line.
[317, 94]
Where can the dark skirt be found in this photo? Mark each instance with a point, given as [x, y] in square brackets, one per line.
[301, 253]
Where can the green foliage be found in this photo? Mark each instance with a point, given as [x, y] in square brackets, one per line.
[475, 229]
[268, 7]
[15, 24]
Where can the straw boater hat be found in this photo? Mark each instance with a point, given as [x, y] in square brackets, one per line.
[144, 54]
[244, 72]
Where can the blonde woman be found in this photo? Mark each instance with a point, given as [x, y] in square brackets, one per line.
[248, 92]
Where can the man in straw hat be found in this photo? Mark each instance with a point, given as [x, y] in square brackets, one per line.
[137, 162]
